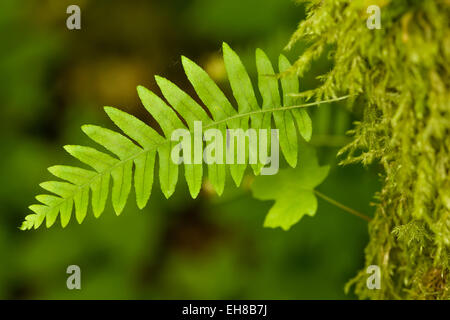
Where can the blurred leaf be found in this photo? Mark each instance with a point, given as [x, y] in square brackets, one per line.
[292, 190]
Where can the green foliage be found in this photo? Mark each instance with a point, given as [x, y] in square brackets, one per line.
[79, 183]
[292, 190]
[212, 247]
[401, 73]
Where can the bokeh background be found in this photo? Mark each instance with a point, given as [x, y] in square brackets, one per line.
[53, 80]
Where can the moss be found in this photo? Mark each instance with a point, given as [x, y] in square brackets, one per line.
[400, 75]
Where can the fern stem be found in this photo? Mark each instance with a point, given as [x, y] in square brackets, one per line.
[242, 115]
[343, 207]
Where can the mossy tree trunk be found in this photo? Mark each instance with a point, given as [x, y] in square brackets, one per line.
[400, 75]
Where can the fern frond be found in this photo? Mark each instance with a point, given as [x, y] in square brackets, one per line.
[135, 151]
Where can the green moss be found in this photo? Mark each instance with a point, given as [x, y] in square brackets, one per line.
[400, 75]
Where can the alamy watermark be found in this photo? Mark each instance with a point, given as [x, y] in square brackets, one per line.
[374, 280]
[74, 280]
[374, 20]
[230, 149]
[74, 20]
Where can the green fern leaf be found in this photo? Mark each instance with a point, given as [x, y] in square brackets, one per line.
[132, 155]
[290, 86]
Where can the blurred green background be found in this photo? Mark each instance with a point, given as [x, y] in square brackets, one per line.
[53, 80]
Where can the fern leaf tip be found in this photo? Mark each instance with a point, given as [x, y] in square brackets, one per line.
[225, 46]
[79, 220]
[283, 59]
[161, 81]
[194, 194]
[186, 61]
[86, 128]
[141, 205]
[112, 112]
[109, 109]
[168, 193]
[53, 169]
[141, 89]
[118, 211]
[68, 147]
[26, 225]
[260, 53]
